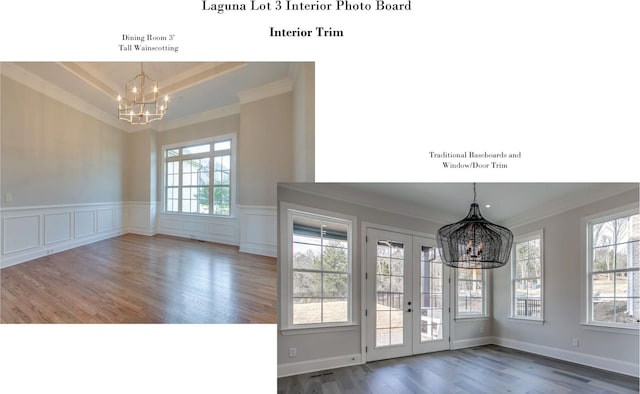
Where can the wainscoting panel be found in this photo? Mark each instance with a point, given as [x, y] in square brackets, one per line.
[57, 227]
[21, 233]
[84, 223]
[258, 230]
[202, 227]
[33, 232]
[105, 219]
[140, 217]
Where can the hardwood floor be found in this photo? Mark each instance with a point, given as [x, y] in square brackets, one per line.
[487, 369]
[140, 279]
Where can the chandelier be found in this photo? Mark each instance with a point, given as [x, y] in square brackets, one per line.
[140, 104]
[474, 242]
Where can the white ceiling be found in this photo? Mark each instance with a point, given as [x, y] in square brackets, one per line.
[193, 87]
[511, 203]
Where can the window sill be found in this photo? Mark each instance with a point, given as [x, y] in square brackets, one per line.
[525, 320]
[318, 329]
[615, 329]
[471, 318]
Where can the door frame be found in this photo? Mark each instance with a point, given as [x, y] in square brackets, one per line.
[363, 281]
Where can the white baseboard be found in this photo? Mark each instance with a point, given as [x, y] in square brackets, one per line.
[261, 250]
[34, 254]
[465, 343]
[608, 364]
[318, 365]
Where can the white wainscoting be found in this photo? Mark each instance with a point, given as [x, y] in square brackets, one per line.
[141, 217]
[259, 230]
[32, 232]
[201, 227]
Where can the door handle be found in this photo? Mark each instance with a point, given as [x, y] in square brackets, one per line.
[409, 310]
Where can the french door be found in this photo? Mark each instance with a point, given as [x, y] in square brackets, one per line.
[407, 290]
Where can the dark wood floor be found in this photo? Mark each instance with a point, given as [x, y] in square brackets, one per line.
[140, 279]
[488, 369]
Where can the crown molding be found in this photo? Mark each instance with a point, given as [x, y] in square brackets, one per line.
[173, 84]
[568, 203]
[38, 84]
[271, 89]
[198, 75]
[32, 81]
[212, 114]
[363, 199]
[89, 78]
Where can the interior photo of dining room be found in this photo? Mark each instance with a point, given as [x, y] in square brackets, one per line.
[459, 287]
[146, 192]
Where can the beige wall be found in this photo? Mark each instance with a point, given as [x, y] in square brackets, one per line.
[265, 149]
[137, 182]
[304, 108]
[58, 155]
[53, 154]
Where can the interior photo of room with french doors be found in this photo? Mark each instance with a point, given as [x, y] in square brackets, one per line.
[145, 192]
[458, 287]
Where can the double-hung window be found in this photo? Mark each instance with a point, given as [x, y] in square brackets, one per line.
[613, 266]
[470, 294]
[318, 272]
[199, 177]
[527, 277]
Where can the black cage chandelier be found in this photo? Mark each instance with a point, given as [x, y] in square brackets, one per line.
[474, 242]
[140, 104]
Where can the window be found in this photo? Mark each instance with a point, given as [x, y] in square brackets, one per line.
[614, 270]
[320, 254]
[471, 292]
[198, 177]
[526, 277]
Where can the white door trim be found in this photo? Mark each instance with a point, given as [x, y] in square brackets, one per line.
[363, 269]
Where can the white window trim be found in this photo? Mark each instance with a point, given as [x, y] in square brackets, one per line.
[586, 240]
[469, 317]
[234, 170]
[287, 210]
[539, 234]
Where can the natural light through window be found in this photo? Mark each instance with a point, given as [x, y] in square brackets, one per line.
[470, 294]
[320, 269]
[527, 277]
[192, 185]
[614, 271]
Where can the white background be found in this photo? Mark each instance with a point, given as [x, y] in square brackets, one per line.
[556, 80]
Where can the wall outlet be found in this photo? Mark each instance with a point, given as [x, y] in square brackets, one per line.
[575, 342]
[481, 329]
[8, 197]
[292, 352]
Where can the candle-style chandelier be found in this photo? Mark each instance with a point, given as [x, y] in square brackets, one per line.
[140, 104]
